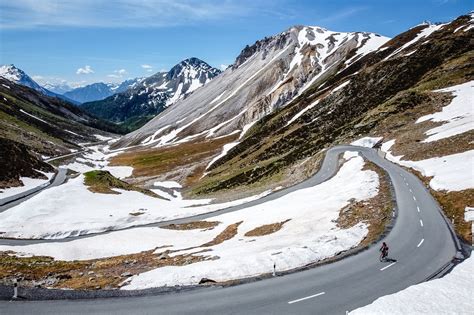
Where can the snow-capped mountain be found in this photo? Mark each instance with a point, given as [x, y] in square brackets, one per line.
[18, 76]
[58, 88]
[14, 74]
[152, 95]
[99, 91]
[265, 76]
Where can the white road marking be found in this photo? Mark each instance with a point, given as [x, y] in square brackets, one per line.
[388, 266]
[421, 222]
[306, 298]
[414, 198]
[411, 190]
[406, 183]
[421, 242]
[418, 208]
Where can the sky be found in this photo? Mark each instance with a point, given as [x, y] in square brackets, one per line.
[85, 41]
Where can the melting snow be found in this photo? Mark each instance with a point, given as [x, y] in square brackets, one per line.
[458, 115]
[452, 294]
[427, 31]
[28, 183]
[304, 110]
[451, 172]
[309, 236]
[368, 142]
[33, 116]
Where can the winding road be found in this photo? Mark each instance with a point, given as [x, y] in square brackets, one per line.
[421, 243]
[9, 202]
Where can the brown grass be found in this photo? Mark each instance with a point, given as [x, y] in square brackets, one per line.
[88, 274]
[454, 204]
[225, 235]
[266, 229]
[376, 212]
[196, 225]
[159, 161]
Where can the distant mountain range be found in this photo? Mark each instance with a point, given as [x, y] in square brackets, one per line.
[88, 93]
[33, 124]
[99, 91]
[14, 74]
[148, 97]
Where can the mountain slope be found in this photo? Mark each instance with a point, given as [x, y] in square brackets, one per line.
[40, 125]
[352, 102]
[265, 76]
[152, 95]
[99, 91]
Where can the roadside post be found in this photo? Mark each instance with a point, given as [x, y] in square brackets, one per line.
[15, 289]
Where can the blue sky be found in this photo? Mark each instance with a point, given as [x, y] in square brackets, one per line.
[85, 41]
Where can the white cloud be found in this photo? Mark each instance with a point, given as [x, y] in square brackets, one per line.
[147, 68]
[118, 74]
[86, 70]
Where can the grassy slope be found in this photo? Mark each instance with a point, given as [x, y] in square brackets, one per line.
[103, 182]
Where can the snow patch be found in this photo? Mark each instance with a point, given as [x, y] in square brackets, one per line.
[368, 142]
[458, 115]
[452, 294]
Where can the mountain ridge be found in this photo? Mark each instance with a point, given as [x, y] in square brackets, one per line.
[153, 94]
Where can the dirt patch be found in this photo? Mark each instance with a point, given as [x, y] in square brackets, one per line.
[106, 273]
[196, 225]
[266, 229]
[102, 182]
[376, 212]
[225, 235]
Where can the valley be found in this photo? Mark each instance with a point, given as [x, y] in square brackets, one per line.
[283, 173]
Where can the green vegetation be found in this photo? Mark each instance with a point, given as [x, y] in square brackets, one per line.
[103, 182]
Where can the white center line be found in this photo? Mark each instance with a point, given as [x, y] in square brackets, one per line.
[414, 198]
[418, 208]
[406, 183]
[410, 190]
[421, 242]
[306, 298]
[388, 266]
[421, 222]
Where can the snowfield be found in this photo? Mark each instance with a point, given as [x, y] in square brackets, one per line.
[451, 172]
[72, 210]
[28, 183]
[310, 235]
[452, 294]
[97, 158]
[457, 116]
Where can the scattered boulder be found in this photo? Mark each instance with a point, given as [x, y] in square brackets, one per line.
[126, 274]
[206, 280]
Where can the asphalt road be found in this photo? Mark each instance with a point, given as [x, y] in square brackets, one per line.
[420, 244]
[7, 203]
